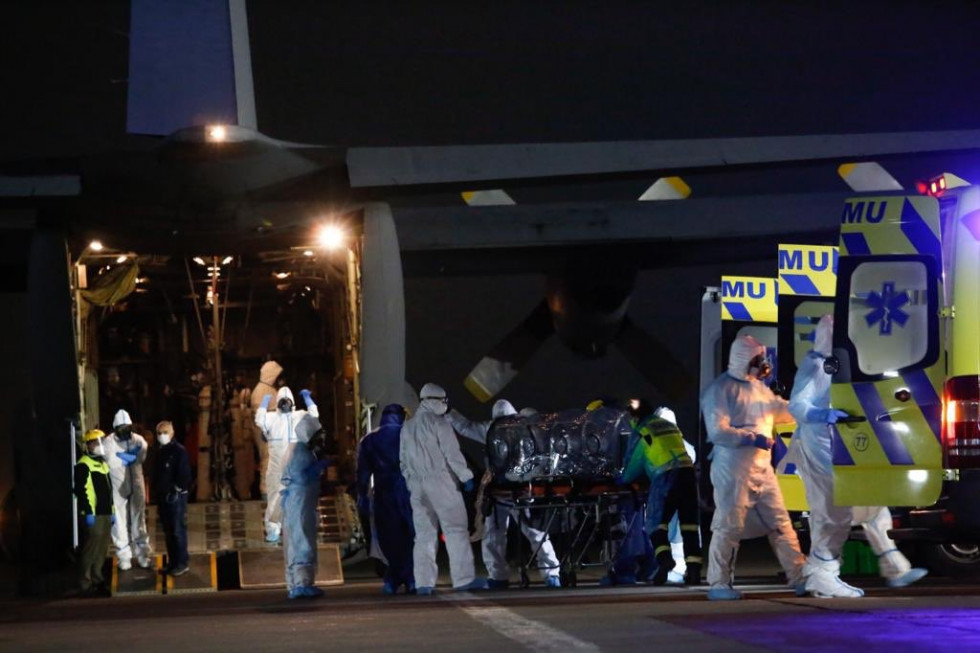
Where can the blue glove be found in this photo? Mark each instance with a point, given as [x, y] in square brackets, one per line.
[127, 458]
[762, 442]
[90, 520]
[468, 486]
[112, 519]
[266, 400]
[307, 396]
[836, 415]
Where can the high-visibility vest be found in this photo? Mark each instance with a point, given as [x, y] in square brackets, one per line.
[662, 444]
[100, 468]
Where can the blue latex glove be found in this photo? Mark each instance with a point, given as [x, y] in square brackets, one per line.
[307, 396]
[90, 520]
[468, 486]
[266, 400]
[762, 442]
[818, 415]
[836, 415]
[112, 519]
[127, 458]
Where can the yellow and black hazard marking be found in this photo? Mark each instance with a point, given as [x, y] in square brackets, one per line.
[749, 299]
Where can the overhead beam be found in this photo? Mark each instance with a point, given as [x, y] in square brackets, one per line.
[395, 166]
[537, 225]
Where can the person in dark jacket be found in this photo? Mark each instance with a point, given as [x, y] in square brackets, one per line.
[377, 456]
[172, 478]
[94, 493]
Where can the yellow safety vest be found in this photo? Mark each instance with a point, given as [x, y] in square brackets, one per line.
[663, 445]
[95, 467]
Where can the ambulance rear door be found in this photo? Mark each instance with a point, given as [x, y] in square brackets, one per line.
[888, 353]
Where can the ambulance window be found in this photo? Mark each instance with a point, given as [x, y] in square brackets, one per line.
[888, 315]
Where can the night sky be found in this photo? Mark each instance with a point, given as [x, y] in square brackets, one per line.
[354, 74]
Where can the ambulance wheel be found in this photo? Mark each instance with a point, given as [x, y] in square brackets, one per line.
[954, 558]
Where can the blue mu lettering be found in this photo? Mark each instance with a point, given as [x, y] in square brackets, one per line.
[790, 259]
[822, 265]
[854, 212]
[757, 291]
[729, 289]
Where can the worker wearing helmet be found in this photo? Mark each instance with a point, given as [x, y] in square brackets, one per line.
[125, 453]
[739, 413]
[93, 490]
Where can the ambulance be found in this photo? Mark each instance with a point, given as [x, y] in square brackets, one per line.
[906, 365]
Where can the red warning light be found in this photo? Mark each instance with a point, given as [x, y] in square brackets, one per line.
[921, 187]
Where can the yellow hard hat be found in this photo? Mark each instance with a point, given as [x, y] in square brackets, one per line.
[93, 434]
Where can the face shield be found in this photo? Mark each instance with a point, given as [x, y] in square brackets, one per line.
[438, 405]
[96, 448]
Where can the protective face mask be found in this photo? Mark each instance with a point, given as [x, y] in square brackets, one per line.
[285, 405]
[97, 450]
[124, 432]
[760, 367]
[165, 438]
[438, 405]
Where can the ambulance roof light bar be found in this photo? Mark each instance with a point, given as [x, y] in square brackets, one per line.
[936, 186]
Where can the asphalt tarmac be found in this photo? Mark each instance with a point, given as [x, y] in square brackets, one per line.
[937, 615]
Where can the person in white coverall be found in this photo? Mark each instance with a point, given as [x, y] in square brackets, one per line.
[495, 536]
[434, 468]
[279, 428]
[810, 451]
[125, 454]
[739, 413]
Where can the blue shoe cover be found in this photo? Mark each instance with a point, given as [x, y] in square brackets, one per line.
[625, 580]
[312, 592]
[800, 589]
[497, 584]
[552, 581]
[723, 594]
[296, 593]
[389, 588]
[425, 591]
[909, 577]
[475, 584]
[410, 588]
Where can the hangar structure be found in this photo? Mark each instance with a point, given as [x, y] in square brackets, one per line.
[207, 176]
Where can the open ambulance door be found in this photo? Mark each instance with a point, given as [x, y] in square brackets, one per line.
[888, 353]
[807, 281]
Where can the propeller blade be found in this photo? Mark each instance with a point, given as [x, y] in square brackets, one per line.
[501, 365]
[654, 360]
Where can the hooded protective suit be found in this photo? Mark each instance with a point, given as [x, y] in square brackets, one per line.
[739, 412]
[269, 373]
[434, 467]
[125, 457]
[377, 457]
[830, 525]
[300, 494]
[279, 428]
[494, 543]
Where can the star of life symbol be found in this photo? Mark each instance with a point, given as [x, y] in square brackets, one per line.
[886, 308]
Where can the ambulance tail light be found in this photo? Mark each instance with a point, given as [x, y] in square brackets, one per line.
[961, 422]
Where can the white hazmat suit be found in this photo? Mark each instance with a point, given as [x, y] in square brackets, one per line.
[830, 525]
[125, 456]
[279, 428]
[433, 467]
[739, 413]
[494, 542]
